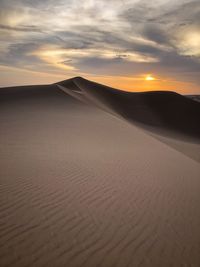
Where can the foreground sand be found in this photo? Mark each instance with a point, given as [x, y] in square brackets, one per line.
[80, 187]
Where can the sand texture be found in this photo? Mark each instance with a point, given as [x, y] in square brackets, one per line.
[82, 185]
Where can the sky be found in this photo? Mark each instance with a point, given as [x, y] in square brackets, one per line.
[135, 45]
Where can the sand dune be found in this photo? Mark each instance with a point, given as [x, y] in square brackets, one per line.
[167, 112]
[79, 186]
[170, 117]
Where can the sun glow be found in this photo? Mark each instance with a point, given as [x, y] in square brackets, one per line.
[149, 77]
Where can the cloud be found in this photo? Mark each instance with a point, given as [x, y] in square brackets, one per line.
[27, 28]
[102, 37]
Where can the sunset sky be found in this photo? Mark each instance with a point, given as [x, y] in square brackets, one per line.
[134, 45]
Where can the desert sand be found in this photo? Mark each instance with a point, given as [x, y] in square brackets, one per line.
[88, 179]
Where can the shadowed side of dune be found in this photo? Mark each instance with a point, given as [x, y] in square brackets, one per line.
[162, 111]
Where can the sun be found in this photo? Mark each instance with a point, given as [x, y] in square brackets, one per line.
[149, 77]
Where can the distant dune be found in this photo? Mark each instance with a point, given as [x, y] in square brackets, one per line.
[93, 176]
